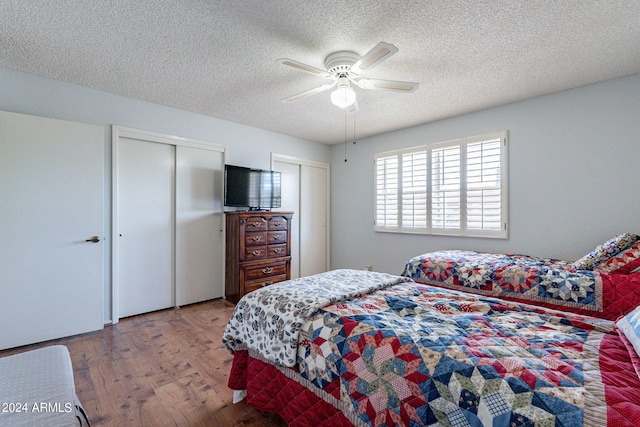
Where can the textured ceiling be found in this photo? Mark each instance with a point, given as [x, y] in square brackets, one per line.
[218, 58]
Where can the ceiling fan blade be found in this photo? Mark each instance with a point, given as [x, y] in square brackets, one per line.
[309, 92]
[387, 85]
[304, 67]
[375, 56]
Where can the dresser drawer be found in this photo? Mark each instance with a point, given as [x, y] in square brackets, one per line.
[255, 252]
[275, 251]
[258, 284]
[255, 239]
[278, 223]
[275, 237]
[265, 271]
[255, 223]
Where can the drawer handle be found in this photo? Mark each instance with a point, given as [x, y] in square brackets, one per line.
[256, 238]
[278, 250]
[277, 223]
[256, 224]
[267, 284]
[267, 270]
[277, 237]
[255, 253]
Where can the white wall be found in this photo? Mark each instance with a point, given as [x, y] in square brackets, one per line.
[574, 165]
[574, 178]
[245, 145]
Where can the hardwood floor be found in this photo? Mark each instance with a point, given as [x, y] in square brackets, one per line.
[166, 368]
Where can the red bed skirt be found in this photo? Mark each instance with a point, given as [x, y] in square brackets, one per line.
[270, 390]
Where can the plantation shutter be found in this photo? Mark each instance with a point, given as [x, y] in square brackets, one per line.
[446, 187]
[387, 192]
[414, 190]
[456, 187]
[484, 198]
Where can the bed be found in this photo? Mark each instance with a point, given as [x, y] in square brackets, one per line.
[351, 347]
[545, 282]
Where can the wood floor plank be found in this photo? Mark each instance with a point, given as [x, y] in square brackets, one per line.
[166, 368]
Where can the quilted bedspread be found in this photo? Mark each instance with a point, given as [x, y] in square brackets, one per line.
[549, 281]
[268, 320]
[411, 354]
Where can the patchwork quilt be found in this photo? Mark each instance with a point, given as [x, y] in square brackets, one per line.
[549, 281]
[411, 354]
[268, 320]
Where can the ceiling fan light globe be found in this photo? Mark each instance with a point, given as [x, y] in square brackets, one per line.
[343, 96]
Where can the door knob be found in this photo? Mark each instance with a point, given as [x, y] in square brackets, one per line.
[94, 239]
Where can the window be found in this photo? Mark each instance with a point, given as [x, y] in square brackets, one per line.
[454, 187]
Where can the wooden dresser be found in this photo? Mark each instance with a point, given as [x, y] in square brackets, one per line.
[258, 251]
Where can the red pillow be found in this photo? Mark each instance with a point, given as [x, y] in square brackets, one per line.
[620, 295]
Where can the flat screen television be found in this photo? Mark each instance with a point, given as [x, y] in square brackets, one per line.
[253, 189]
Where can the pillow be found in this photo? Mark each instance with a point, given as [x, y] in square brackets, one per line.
[629, 325]
[620, 295]
[625, 262]
[605, 251]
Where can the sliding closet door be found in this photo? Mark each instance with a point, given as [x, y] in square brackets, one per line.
[52, 204]
[168, 234]
[313, 220]
[145, 218]
[291, 202]
[199, 237]
[305, 191]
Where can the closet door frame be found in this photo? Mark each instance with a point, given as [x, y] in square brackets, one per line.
[304, 162]
[117, 133]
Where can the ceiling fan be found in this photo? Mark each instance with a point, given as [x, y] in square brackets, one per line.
[346, 68]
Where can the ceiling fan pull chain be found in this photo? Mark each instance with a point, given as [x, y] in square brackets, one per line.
[354, 128]
[345, 135]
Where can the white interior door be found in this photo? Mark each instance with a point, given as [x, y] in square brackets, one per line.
[51, 188]
[199, 237]
[145, 226]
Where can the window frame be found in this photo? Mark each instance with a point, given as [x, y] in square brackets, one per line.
[494, 192]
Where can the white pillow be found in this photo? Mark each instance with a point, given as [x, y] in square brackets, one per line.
[629, 325]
